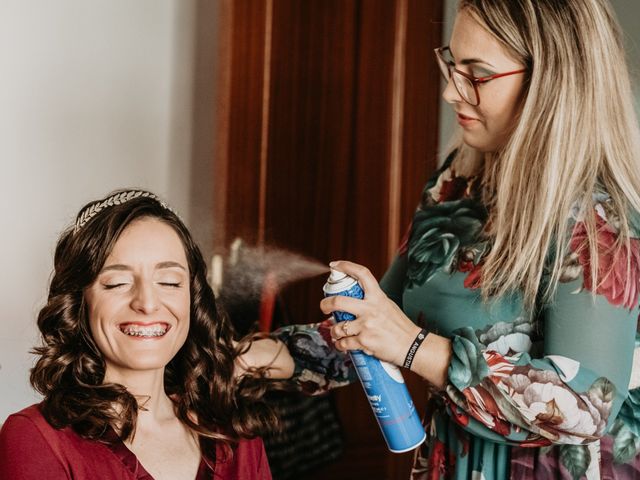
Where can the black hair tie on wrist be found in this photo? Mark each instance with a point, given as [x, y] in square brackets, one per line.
[414, 348]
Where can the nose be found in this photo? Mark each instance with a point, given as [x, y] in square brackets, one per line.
[144, 298]
[450, 94]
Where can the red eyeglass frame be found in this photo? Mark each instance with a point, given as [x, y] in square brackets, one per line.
[475, 81]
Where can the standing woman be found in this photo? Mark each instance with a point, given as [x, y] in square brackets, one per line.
[523, 259]
[136, 365]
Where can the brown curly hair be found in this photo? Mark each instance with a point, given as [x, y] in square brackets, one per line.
[70, 369]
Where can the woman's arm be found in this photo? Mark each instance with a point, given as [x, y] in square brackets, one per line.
[302, 354]
[270, 353]
[571, 395]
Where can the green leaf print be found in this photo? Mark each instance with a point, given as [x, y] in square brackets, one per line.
[437, 234]
[603, 389]
[634, 223]
[615, 428]
[630, 411]
[467, 367]
[626, 445]
[576, 459]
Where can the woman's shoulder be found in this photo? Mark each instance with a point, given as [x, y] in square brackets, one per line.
[28, 418]
[29, 427]
[30, 412]
[30, 447]
[607, 214]
[26, 446]
[618, 263]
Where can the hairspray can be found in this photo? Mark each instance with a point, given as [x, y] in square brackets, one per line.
[382, 382]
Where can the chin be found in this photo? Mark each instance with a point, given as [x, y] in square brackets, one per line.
[150, 364]
[146, 362]
[481, 145]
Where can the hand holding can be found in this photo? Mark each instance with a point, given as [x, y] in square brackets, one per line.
[383, 383]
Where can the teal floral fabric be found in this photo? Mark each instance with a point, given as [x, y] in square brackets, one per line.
[549, 395]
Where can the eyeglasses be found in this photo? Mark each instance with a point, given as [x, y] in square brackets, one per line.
[466, 85]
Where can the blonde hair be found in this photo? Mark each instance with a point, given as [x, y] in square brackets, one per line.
[577, 132]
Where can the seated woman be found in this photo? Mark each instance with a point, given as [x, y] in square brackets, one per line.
[136, 365]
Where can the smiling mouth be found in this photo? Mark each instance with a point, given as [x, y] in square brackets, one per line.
[153, 330]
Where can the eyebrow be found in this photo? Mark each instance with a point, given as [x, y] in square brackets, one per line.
[126, 268]
[470, 61]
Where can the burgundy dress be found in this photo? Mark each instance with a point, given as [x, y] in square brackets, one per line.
[30, 449]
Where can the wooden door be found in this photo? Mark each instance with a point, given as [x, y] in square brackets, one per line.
[326, 132]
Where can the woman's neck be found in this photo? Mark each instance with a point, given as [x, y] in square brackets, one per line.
[148, 388]
[470, 163]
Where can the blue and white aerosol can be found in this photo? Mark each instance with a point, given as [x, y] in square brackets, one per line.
[382, 382]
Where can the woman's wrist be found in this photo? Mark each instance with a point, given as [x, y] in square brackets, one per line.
[415, 345]
[269, 354]
[431, 359]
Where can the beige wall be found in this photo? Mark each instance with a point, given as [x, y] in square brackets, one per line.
[95, 95]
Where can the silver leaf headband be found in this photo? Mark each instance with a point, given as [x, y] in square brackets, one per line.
[115, 199]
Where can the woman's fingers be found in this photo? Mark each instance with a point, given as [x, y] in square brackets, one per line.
[380, 327]
[361, 273]
[352, 335]
[338, 303]
[385, 335]
[351, 342]
[348, 328]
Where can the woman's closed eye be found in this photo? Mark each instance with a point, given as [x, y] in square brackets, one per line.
[169, 279]
[112, 285]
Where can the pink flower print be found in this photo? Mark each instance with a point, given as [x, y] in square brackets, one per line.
[557, 412]
[484, 408]
[619, 286]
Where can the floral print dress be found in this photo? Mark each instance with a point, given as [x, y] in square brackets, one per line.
[527, 398]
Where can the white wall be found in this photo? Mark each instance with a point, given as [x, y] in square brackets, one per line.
[94, 95]
[447, 116]
[628, 12]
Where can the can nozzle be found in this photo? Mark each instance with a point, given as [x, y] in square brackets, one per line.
[335, 276]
